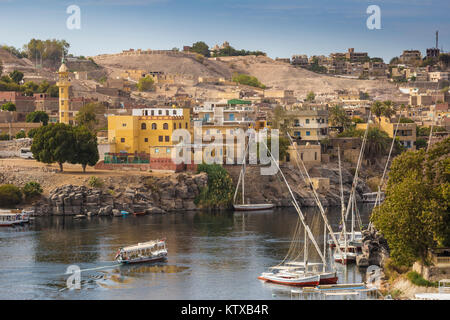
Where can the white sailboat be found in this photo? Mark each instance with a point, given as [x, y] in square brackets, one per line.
[299, 273]
[243, 206]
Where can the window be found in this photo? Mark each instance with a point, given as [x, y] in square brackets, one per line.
[124, 124]
[153, 112]
[186, 125]
[166, 126]
[297, 133]
[167, 112]
[174, 112]
[315, 155]
[179, 125]
[307, 121]
[308, 133]
[145, 139]
[167, 138]
[174, 126]
[143, 126]
[145, 112]
[122, 139]
[154, 126]
[159, 111]
[167, 150]
[160, 138]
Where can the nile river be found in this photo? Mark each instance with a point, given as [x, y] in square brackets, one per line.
[210, 256]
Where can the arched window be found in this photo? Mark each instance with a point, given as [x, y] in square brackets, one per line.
[143, 126]
[154, 126]
[166, 126]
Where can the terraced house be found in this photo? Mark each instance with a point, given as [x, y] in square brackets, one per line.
[309, 123]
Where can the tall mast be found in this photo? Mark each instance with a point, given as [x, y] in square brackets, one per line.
[316, 197]
[296, 206]
[344, 228]
[305, 252]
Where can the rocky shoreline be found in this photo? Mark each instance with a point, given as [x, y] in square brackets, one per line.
[148, 194]
[176, 192]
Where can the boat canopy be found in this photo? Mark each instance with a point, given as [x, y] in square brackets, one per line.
[143, 246]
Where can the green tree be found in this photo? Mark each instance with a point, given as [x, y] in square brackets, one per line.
[377, 109]
[201, 47]
[37, 116]
[248, 80]
[16, 76]
[310, 97]
[219, 191]
[338, 117]
[8, 106]
[32, 189]
[21, 134]
[145, 84]
[54, 143]
[10, 195]
[415, 215]
[86, 148]
[87, 116]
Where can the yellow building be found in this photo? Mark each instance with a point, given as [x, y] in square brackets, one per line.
[406, 132]
[64, 100]
[145, 129]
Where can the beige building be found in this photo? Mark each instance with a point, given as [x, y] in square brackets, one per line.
[309, 123]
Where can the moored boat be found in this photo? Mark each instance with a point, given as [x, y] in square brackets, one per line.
[150, 251]
[253, 207]
[291, 278]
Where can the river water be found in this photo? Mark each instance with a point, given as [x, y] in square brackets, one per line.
[210, 255]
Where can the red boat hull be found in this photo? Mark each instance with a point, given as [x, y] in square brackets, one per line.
[333, 280]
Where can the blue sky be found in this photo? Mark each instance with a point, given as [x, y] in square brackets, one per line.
[279, 27]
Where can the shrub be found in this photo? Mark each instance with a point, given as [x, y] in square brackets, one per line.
[4, 136]
[95, 182]
[21, 134]
[10, 194]
[219, 191]
[418, 280]
[32, 189]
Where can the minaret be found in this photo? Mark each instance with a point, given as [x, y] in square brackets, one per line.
[64, 101]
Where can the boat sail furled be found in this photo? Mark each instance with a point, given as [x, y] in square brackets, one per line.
[243, 206]
[300, 273]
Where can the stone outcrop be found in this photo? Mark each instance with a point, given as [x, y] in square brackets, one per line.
[148, 194]
[375, 249]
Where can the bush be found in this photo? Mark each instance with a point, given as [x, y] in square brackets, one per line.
[10, 194]
[95, 182]
[418, 280]
[4, 136]
[32, 189]
[21, 134]
[219, 191]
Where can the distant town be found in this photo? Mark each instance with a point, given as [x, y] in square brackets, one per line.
[83, 137]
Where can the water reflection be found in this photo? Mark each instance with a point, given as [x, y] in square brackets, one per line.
[206, 251]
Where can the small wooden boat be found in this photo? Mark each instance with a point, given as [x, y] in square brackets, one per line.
[253, 207]
[140, 213]
[345, 257]
[124, 213]
[150, 251]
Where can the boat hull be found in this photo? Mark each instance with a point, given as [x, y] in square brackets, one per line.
[328, 278]
[253, 207]
[305, 282]
[143, 260]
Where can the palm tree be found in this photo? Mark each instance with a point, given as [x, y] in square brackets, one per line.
[377, 109]
[338, 117]
[377, 144]
[388, 109]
